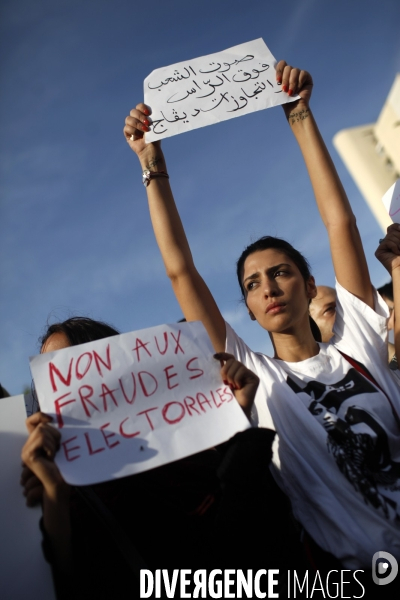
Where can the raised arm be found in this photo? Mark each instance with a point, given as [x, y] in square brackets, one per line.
[346, 248]
[192, 293]
[388, 253]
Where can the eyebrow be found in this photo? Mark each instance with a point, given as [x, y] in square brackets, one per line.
[269, 271]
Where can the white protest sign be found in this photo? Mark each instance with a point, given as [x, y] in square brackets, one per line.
[391, 200]
[135, 401]
[24, 573]
[213, 88]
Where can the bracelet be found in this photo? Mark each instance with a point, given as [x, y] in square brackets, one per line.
[147, 175]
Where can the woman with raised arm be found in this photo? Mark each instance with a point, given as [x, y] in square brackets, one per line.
[334, 406]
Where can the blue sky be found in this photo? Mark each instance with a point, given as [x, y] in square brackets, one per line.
[75, 236]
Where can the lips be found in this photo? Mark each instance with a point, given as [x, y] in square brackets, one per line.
[274, 307]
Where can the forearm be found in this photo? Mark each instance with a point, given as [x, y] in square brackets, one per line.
[346, 247]
[167, 225]
[396, 299]
[57, 525]
[331, 198]
[193, 295]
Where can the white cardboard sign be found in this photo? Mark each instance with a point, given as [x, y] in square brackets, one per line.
[135, 401]
[24, 573]
[213, 88]
[391, 200]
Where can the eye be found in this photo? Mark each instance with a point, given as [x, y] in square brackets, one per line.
[251, 285]
[280, 273]
[330, 310]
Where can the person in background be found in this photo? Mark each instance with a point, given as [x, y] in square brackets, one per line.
[323, 311]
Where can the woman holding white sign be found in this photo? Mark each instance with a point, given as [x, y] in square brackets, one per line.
[182, 514]
[334, 406]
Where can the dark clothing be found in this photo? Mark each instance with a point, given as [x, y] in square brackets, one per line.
[215, 510]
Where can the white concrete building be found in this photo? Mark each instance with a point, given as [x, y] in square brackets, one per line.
[372, 154]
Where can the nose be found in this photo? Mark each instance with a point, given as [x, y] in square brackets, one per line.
[271, 288]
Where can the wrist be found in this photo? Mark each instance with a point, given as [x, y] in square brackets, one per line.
[298, 114]
[152, 159]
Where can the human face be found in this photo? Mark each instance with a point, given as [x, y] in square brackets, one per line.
[323, 311]
[390, 303]
[57, 341]
[276, 294]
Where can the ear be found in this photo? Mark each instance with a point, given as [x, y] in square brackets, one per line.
[311, 288]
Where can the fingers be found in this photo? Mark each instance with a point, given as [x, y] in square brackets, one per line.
[291, 78]
[279, 70]
[26, 474]
[138, 122]
[34, 420]
[34, 496]
[392, 239]
[38, 458]
[241, 380]
[304, 80]
[234, 373]
[43, 442]
[33, 488]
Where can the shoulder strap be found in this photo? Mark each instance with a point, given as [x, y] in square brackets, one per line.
[364, 371]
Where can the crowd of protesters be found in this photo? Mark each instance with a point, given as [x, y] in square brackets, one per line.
[317, 478]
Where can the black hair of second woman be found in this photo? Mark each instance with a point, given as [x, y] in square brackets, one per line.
[269, 242]
[79, 330]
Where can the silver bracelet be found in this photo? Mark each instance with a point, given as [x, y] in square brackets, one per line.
[147, 175]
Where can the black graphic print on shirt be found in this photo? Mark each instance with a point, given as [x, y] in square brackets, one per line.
[356, 439]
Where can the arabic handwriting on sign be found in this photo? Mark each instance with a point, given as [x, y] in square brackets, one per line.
[211, 70]
[175, 115]
[179, 99]
[237, 104]
[223, 97]
[248, 76]
[176, 77]
[158, 127]
[213, 85]
[226, 65]
[212, 88]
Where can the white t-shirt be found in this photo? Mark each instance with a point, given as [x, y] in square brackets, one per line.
[337, 452]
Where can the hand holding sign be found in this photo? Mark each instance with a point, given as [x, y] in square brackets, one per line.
[242, 381]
